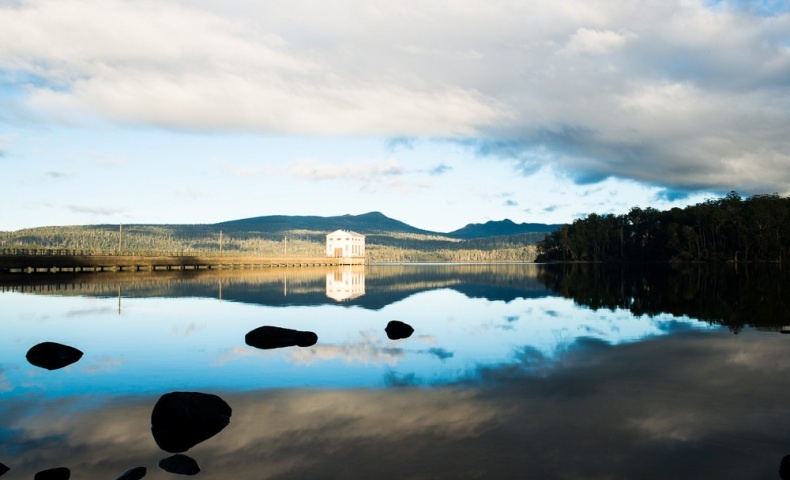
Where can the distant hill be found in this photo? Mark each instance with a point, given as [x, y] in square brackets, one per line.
[366, 223]
[387, 239]
[501, 228]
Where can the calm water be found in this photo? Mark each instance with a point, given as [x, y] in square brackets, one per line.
[512, 371]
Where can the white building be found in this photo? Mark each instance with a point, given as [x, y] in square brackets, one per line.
[342, 243]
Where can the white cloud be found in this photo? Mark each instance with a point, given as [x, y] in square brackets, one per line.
[106, 212]
[665, 92]
[586, 40]
[366, 171]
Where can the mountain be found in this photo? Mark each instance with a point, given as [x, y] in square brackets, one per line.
[388, 240]
[501, 228]
[366, 223]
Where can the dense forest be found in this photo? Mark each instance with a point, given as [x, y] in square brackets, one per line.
[723, 229]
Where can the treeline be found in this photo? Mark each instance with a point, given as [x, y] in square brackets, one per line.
[724, 229]
[385, 254]
[144, 239]
[192, 239]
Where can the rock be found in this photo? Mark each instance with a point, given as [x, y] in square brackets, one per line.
[397, 330]
[3, 469]
[181, 420]
[180, 465]
[275, 337]
[784, 468]
[52, 356]
[135, 473]
[60, 473]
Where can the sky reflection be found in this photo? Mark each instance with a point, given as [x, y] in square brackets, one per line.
[507, 383]
[692, 405]
[194, 343]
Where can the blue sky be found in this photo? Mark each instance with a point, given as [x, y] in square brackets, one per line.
[436, 113]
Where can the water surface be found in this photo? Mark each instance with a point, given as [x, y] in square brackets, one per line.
[513, 371]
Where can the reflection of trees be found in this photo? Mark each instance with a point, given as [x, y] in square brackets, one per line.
[729, 295]
[292, 286]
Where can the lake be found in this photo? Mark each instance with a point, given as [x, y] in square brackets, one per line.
[511, 371]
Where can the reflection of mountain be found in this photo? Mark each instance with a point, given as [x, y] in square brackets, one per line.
[722, 294]
[381, 285]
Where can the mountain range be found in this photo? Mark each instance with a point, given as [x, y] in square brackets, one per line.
[378, 223]
[387, 239]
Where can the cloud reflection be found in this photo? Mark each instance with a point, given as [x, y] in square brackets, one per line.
[692, 405]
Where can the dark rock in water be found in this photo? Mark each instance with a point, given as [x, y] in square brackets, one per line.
[135, 473]
[397, 330]
[784, 468]
[60, 473]
[3, 469]
[52, 356]
[181, 420]
[275, 337]
[180, 465]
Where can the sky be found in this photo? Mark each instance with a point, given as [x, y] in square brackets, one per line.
[436, 113]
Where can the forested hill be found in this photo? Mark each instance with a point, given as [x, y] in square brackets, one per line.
[723, 229]
[373, 222]
[501, 227]
[388, 240]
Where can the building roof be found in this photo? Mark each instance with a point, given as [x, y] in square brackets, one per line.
[345, 232]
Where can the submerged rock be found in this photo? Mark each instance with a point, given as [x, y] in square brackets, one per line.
[276, 337]
[397, 330]
[52, 356]
[135, 473]
[59, 473]
[180, 465]
[181, 420]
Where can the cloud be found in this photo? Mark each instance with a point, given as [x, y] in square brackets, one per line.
[94, 210]
[59, 175]
[510, 203]
[440, 353]
[365, 171]
[368, 350]
[181, 67]
[681, 94]
[401, 143]
[105, 365]
[592, 41]
[671, 195]
[440, 169]
[85, 312]
[631, 411]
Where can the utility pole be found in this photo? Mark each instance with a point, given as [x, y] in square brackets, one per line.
[285, 243]
[120, 237]
[220, 244]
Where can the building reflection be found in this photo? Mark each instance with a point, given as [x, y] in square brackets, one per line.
[345, 283]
